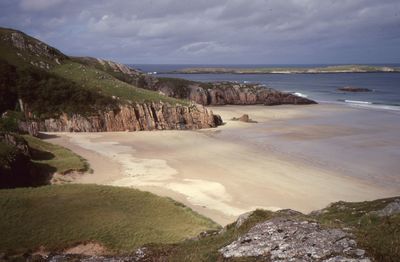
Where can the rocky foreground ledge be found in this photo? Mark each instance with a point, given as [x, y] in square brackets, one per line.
[342, 232]
[138, 117]
[285, 239]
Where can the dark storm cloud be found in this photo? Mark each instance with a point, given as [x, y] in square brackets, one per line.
[225, 31]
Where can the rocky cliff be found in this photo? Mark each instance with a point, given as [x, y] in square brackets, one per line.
[244, 95]
[212, 93]
[137, 117]
[16, 168]
[222, 93]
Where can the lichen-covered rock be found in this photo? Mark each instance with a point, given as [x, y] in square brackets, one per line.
[148, 116]
[285, 239]
[392, 208]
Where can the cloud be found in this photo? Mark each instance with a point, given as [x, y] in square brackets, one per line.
[38, 5]
[225, 31]
[206, 48]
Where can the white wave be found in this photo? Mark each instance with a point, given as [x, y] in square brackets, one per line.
[300, 94]
[369, 105]
[358, 102]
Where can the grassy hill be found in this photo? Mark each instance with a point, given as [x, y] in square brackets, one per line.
[50, 82]
[119, 219]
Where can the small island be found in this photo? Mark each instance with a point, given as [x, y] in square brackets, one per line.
[290, 70]
[354, 89]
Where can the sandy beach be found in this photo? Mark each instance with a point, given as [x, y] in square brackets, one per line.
[298, 157]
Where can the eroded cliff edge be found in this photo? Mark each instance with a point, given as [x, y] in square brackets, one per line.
[136, 117]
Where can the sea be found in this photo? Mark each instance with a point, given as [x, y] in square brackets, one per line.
[323, 88]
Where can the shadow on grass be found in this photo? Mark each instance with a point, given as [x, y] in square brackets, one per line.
[25, 173]
[41, 155]
[47, 136]
[43, 174]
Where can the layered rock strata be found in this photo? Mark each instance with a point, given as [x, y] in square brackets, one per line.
[138, 117]
[224, 93]
[235, 95]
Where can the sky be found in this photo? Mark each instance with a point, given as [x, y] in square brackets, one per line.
[214, 31]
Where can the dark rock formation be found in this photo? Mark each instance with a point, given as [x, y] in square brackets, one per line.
[244, 118]
[354, 89]
[285, 239]
[16, 142]
[154, 116]
[16, 168]
[226, 93]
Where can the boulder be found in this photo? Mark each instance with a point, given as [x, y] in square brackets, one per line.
[244, 118]
[287, 239]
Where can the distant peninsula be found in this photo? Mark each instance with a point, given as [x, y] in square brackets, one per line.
[290, 70]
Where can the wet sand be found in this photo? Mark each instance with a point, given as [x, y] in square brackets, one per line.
[299, 157]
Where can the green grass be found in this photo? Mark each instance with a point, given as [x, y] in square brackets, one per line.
[5, 152]
[85, 72]
[23, 58]
[380, 236]
[121, 219]
[60, 159]
[206, 248]
[89, 77]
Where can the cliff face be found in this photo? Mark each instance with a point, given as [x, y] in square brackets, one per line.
[16, 168]
[154, 116]
[237, 95]
[223, 93]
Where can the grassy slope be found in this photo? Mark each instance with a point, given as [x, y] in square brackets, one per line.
[22, 58]
[90, 77]
[380, 236]
[121, 219]
[87, 75]
[61, 159]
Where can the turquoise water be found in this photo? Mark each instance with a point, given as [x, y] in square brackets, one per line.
[320, 87]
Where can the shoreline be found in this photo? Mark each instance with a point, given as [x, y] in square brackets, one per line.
[226, 171]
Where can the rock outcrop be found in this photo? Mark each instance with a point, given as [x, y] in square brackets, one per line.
[16, 142]
[390, 209]
[248, 95]
[16, 168]
[354, 89]
[244, 118]
[137, 117]
[223, 93]
[286, 239]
